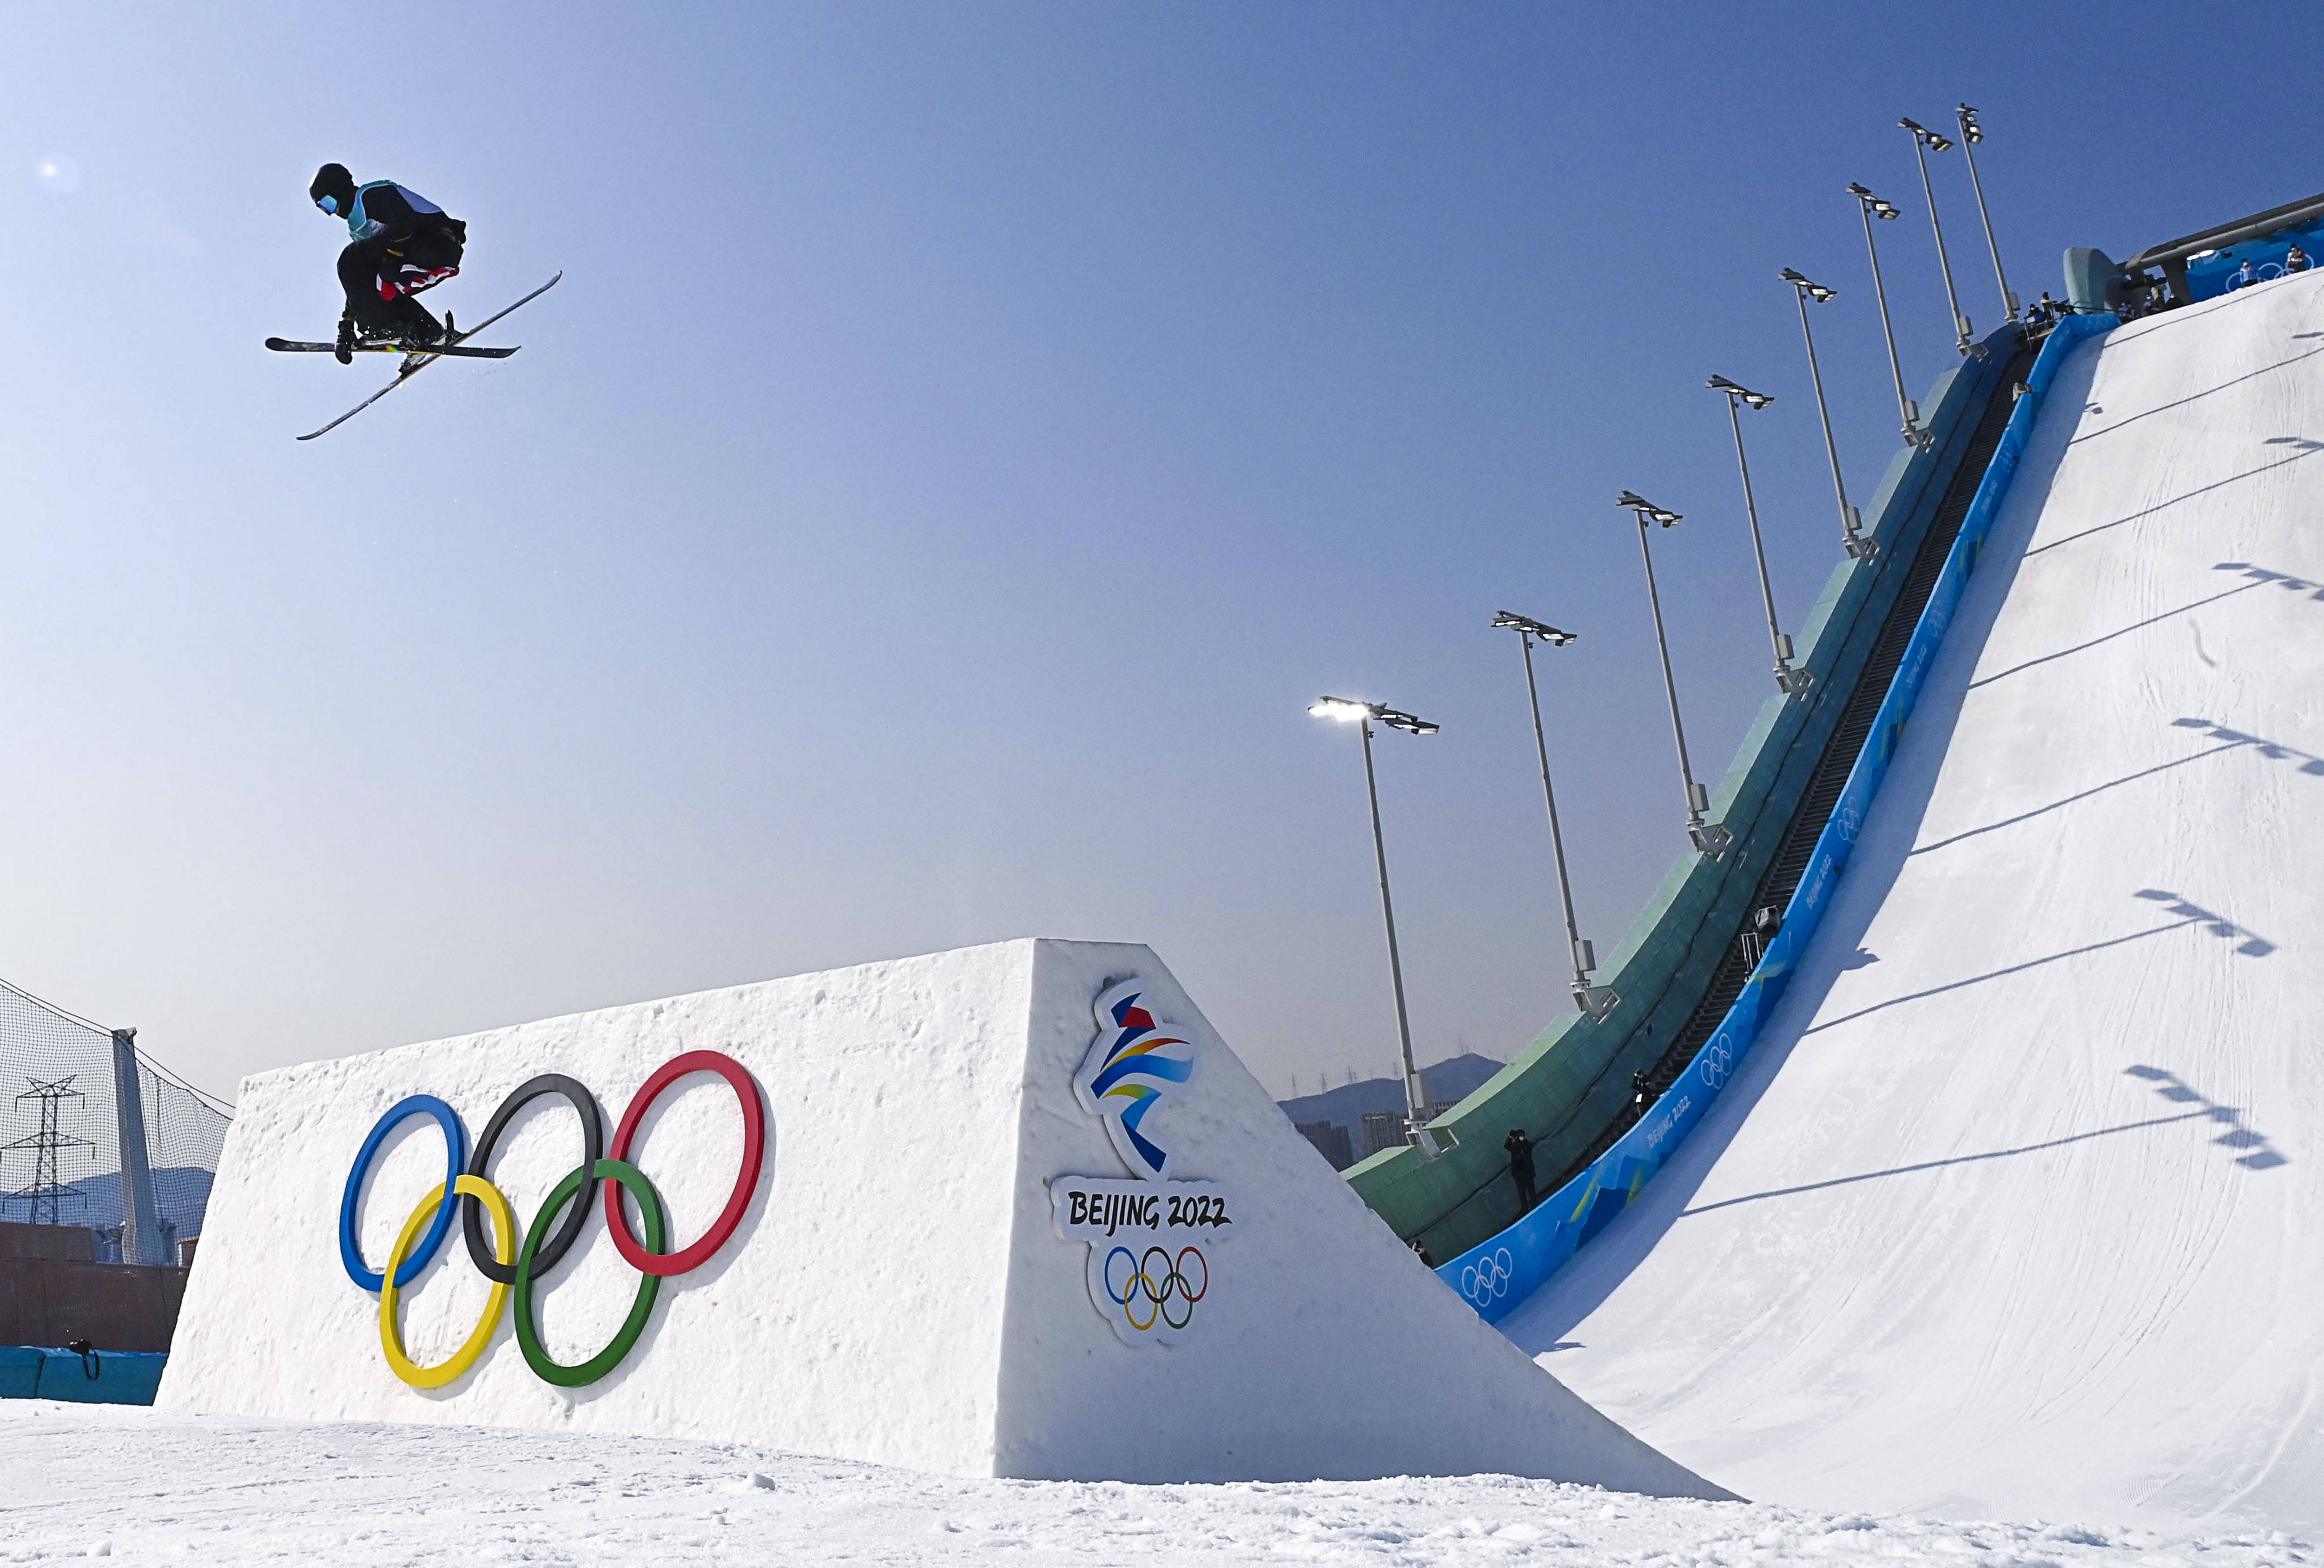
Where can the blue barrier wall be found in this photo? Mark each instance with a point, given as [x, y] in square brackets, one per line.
[100, 1377]
[1498, 1273]
[2215, 274]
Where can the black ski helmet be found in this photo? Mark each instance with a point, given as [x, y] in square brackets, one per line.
[333, 180]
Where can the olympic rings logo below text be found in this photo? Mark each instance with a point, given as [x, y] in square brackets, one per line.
[1488, 1278]
[512, 1266]
[1154, 1283]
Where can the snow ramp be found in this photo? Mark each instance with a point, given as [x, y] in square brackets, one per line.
[2015, 1207]
[1011, 1211]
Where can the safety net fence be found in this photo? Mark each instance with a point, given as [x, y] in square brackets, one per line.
[75, 1098]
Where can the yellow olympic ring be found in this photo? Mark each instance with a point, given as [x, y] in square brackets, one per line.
[390, 1338]
[1149, 1290]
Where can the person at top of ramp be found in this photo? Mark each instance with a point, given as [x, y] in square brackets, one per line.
[1520, 1148]
[403, 244]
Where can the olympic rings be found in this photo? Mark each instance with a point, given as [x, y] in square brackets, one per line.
[1488, 1278]
[1174, 1284]
[593, 1148]
[746, 1180]
[456, 1154]
[514, 1265]
[569, 1191]
[391, 1338]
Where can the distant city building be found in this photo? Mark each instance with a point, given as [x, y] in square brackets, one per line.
[1330, 1141]
[1382, 1130]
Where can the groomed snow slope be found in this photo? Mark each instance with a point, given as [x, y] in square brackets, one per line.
[260, 1494]
[2017, 1206]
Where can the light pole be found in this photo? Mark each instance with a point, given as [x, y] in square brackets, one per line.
[1925, 142]
[1873, 206]
[1851, 525]
[1347, 710]
[1597, 1001]
[1789, 681]
[1972, 134]
[1710, 837]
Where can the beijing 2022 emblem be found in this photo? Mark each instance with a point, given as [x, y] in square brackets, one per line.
[1151, 1239]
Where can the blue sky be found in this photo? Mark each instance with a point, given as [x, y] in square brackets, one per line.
[964, 440]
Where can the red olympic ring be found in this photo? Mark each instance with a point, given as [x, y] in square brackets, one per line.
[1179, 1268]
[746, 1180]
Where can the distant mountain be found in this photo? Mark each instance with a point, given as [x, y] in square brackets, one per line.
[1454, 1078]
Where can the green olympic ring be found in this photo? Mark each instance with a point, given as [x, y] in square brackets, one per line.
[528, 1335]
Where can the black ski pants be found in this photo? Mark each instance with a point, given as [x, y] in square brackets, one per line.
[372, 274]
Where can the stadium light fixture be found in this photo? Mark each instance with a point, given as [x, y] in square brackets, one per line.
[1852, 526]
[1873, 206]
[1362, 714]
[1597, 1001]
[1925, 142]
[1789, 681]
[1973, 133]
[1710, 837]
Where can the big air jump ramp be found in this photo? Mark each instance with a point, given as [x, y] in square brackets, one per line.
[988, 1235]
[2014, 1208]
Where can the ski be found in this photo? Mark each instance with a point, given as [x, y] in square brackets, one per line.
[421, 359]
[456, 350]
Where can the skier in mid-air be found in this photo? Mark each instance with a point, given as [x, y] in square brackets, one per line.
[402, 244]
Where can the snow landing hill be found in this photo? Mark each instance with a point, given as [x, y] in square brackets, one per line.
[2016, 1208]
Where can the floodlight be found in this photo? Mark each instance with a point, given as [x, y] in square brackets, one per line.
[1810, 287]
[1350, 710]
[1972, 134]
[1533, 628]
[1925, 142]
[1872, 207]
[1709, 838]
[1647, 509]
[1597, 1001]
[1738, 392]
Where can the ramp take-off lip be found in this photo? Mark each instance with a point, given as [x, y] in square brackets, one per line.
[2011, 1208]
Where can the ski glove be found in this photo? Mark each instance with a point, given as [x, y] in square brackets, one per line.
[344, 350]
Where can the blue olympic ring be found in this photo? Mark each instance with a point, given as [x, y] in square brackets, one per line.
[1121, 1297]
[456, 1160]
[1488, 1278]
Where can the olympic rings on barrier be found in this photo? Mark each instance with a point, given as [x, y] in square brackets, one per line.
[746, 1180]
[455, 1156]
[573, 1190]
[593, 1148]
[513, 1266]
[1488, 1278]
[1142, 1283]
[391, 1338]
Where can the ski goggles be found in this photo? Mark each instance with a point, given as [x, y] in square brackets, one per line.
[329, 204]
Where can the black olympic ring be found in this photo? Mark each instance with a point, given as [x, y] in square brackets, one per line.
[592, 1145]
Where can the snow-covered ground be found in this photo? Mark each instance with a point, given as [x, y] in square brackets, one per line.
[2015, 1206]
[80, 1480]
